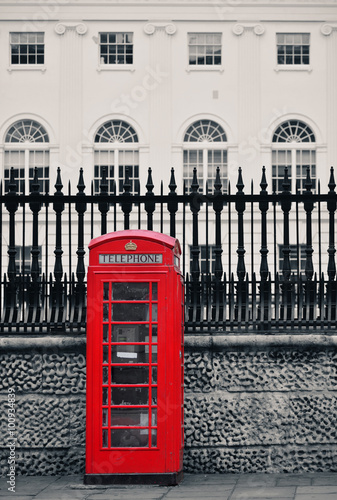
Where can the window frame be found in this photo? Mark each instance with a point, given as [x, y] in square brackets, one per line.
[205, 67]
[102, 66]
[118, 147]
[26, 66]
[205, 146]
[293, 66]
[293, 147]
[28, 147]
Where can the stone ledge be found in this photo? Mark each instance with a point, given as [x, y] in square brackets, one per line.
[259, 341]
[42, 342]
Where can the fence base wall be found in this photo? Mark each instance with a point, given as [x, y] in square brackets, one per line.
[253, 405]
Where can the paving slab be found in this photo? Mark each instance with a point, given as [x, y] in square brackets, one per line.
[257, 480]
[319, 496]
[294, 480]
[324, 480]
[263, 493]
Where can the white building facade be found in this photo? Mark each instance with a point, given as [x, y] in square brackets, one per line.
[168, 83]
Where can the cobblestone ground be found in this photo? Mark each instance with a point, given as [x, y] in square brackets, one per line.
[315, 486]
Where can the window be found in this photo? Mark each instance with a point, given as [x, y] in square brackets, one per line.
[116, 148]
[27, 48]
[26, 147]
[204, 49]
[294, 148]
[116, 48]
[293, 48]
[206, 258]
[205, 149]
[296, 259]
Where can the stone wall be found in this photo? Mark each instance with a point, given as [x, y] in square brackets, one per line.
[252, 403]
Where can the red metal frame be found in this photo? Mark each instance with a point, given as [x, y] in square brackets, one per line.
[131, 429]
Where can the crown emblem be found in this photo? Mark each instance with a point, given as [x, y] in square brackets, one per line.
[130, 246]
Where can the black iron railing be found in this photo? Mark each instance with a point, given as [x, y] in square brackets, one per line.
[241, 287]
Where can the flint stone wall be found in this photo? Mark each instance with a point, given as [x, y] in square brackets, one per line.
[252, 404]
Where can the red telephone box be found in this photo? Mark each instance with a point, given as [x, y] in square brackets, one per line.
[134, 359]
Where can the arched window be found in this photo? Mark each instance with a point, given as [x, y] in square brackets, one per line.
[293, 147]
[205, 149]
[116, 148]
[27, 147]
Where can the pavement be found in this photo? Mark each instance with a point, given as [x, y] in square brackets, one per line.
[306, 486]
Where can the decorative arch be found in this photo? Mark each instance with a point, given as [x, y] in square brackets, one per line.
[293, 131]
[205, 130]
[26, 130]
[116, 131]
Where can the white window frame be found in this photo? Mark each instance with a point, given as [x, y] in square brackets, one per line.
[205, 146]
[102, 66]
[293, 147]
[117, 146]
[26, 66]
[204, 67]
[28, 147]
[293, 66]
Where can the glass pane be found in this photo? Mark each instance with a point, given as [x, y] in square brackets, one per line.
[105, 438]
[105, 417]
[105, 395]
[129, 333]
[130, 438]
[105, 312]
[154, 396]
[154, 353]
[154, 291]
[105, 333]
[105, 375]
[154, 417]
[129, 375]
[154, 312]
[129, 417]
[129, 354]
[105, 291]
[130, 291]
[105, 354]
[154, 437]
[154, 333]
[129, 395]
[154, 375]
[123, 312]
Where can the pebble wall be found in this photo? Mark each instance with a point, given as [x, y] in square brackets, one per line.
[246, 409]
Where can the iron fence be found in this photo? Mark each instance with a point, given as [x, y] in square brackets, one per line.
[241, 287]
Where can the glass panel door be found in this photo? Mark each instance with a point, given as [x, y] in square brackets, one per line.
[129, 365]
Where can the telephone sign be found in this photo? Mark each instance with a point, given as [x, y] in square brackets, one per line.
[134, 359]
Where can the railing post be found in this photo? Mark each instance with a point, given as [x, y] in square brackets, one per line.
[58, 288]
[265, 295]
[11, 204]
[309, 268]
[218, 271]
[286, 308]
[126, 203]
[35, 207]
[149, 204]
[172, 205]
[80, 208]
[103, 206]
[240, 206]
[195, 269]
[331, 271]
